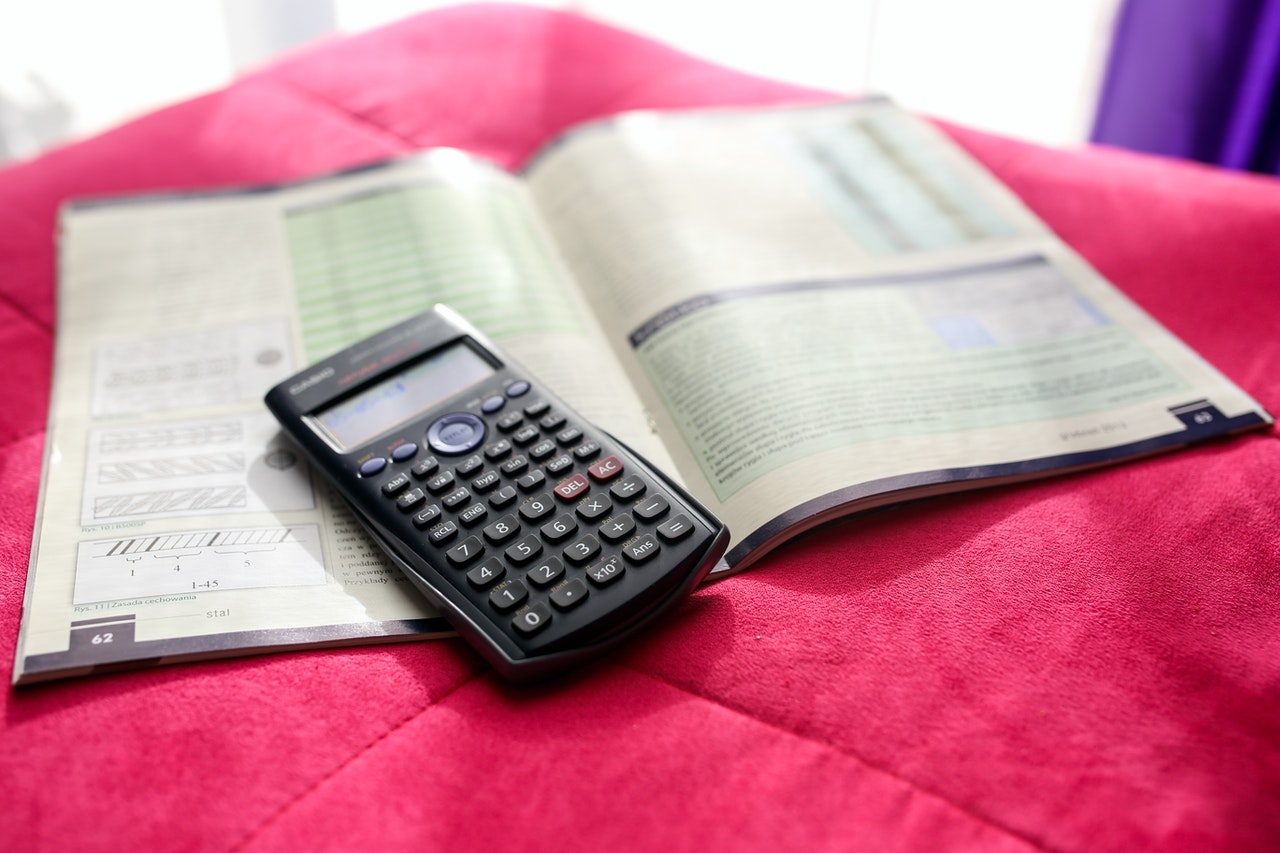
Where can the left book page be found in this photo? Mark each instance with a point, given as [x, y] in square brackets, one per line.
[175, 521]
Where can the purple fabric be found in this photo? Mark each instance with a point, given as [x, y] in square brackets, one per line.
[1195, 79]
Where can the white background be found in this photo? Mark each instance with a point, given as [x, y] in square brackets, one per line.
[1029, 69]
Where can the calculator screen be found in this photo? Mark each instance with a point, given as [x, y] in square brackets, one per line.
[401, 397]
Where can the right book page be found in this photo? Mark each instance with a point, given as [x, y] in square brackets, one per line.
[828, 308]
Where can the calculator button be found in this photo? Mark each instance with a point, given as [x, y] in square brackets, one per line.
[606, 572]
[441, 482]
[372, 466]
[582, 550]
[456, 498]
[497, 450]
[618, 528]
[532, 480]
[642, 549]
[556, 530]
[507, 596]
[470, 465]
[426, 517]
[570, 595]
[456, 433]
[676, 529]
[465, 551]
[533, 619]
[487, 573]
[606, 469]
[559, 465]
[652, 507]
[536, 507]
[404, 451]
[571, 488]
[395, 485]
[485, 481]
[425, 468]
[473, 514]
[536, 409]
[525, 435]
[442, 532]
[410, 500]
[502, 529]
[594, 507]
[492, 404]
[569, 435]
[542, 449]
[518, 388]
[524, 550]
[502, 497]
[586, 450]
[514, 465]
[555, 420]
[510, 421]
[627, 488]
[546, 572]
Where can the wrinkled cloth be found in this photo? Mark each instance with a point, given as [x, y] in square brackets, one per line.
[1085, 663]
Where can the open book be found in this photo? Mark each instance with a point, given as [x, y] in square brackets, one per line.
[799, 312]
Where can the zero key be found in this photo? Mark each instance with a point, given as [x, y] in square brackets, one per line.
[532, 619]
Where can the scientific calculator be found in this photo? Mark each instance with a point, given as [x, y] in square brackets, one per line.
[542, 539]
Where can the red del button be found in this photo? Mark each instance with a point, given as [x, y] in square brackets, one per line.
[572, 487]
[606, 469]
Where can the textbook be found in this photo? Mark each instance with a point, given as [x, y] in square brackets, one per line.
[799, 312]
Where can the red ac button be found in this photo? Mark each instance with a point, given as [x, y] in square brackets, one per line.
[606, 469]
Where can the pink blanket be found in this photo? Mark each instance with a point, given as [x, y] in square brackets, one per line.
[1086, 663]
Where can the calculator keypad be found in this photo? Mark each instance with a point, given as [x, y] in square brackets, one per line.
[539, 523]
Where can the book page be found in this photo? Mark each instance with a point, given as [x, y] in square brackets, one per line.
[834, 306]
[176, 521]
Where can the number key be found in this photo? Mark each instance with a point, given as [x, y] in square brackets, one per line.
[502, 529]
[560, 528]
[487, 573]
[532, 619]
[509, 595]
[524, 550]
[546, 571]
[536, 507]
[582, 550]
[465, 551]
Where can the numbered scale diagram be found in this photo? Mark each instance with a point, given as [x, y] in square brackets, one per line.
[198, 561]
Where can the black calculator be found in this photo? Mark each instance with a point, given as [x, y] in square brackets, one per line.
[542, 539]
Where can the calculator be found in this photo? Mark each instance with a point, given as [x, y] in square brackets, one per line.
[542, 539]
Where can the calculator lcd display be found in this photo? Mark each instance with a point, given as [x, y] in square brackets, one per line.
[401, 397]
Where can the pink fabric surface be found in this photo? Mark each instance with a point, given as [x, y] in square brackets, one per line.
[1085, 663]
